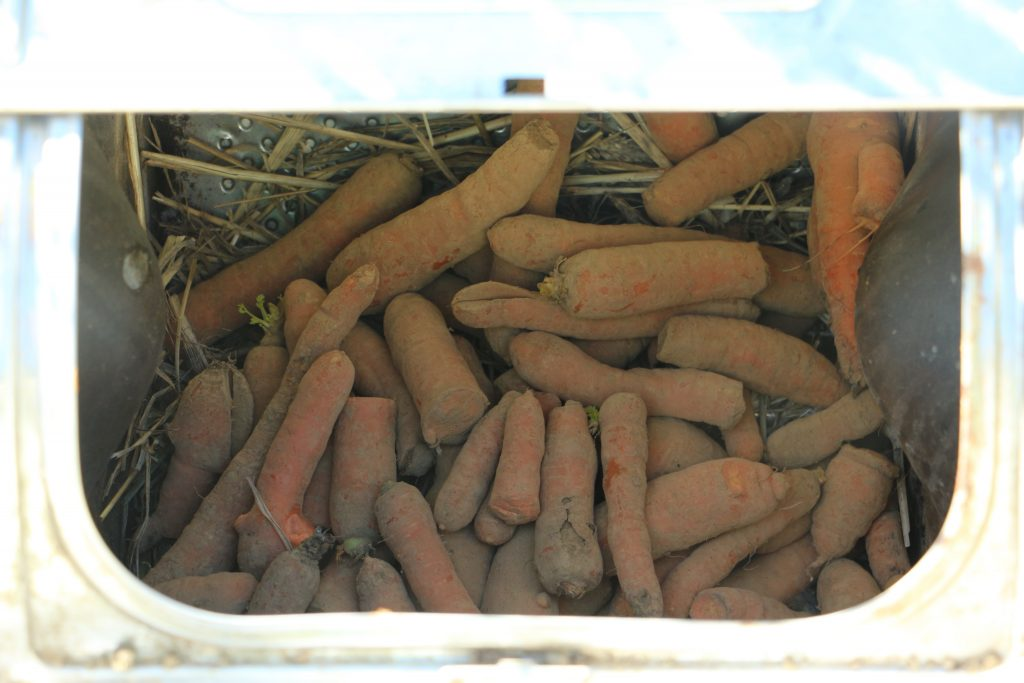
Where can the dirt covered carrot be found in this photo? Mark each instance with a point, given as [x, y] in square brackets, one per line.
[513, 586]
[379, 587]
[537, 243]
[566, 553]
[292, 579]
[490, 528]
[446, 393]
[301, 300]
[857, 485]
[673, 445]
[364, 460]
[413, 248]
[766, 360]
[615, 281]
[679, 134]
[290, 462]
[843, 583]
[887, 555]
[739, 603]
[618, 606]
[792, 289]
[743, 440]
[209, 543]
[213, 418]
[381, 189]
[764, 146]
[468, 482]
[780, 575]
[408, 528]
[376, 375]
[337, 589]
[515, 491]
[553, 364]
[794, 531]
[623, 419]
[809, 440]
[471, 558]
[227, 592]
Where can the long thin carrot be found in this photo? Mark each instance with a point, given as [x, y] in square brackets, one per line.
[209, 543]
[515, 491]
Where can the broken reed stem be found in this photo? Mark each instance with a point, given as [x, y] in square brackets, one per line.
[135, 170]
[429, 149]
[643, 141]
[174, 163]
[213, 220]
[335, 132]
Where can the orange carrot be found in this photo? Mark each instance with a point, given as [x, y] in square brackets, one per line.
[617, 353]
[408, 528]
[615, 281]
[843, 583]
[556, 365]
[760, 148]
[857, 486]
[566, 553]
[836, 243]
[545, 197]
[316, 503]
[680, 134]
[792, 289]
[213, 419]
[413, 248]
[301, 300]
[379, 587]
[740, 604]
[490, 528]
[767, 361]
[879, 178]
[337, 589]
[809, 440]
[364, 460]
[445, 391]
[673, 445]
[290, 462]
[513, 586]
[623, 419]
[209, 543]
[292, 579]
[468, 353]
[467, 484]
[537, 243]
[743, 440]
[376, 375]
[515, 491]
[381, 189]
[887, 555]
[715, 559]
[780, 575]
[471, 558]
[227, 592]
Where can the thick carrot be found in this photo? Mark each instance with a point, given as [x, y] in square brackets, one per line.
[836, 243]
[792, 288]
[780, 575]
[617, 353]
[887, 556]
[857, 486]
[623, 419]
[715, 559]
[209, 543]
[673, 445]
[760, 148]
[413, 248]
[490, 528]
[590, 603]
[364, 460]
[468, 353]
[301, 300]
[408, 528]
[379, 586]
[467, 484]
[513, 586]
[292, 579]
[615, 281]
[376, 375]
[843, 583]
[766, 360]
[227, 592]
[739, 604]
[879, 178]
[679, 134]
[316, 503]
[566, 553]
[743, 440]
[290, 462]
[794, 531]
[537, 243]
[212, 420]
[495, 304]
[471, 558]
[556, 365]
[809, 440]
[545, 197]
[380, 190]
[445, 391]
[337, 589]
[515, 491]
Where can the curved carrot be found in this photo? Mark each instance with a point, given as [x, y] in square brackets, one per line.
[809, 440]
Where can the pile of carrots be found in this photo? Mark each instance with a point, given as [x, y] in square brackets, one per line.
[587, 442]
